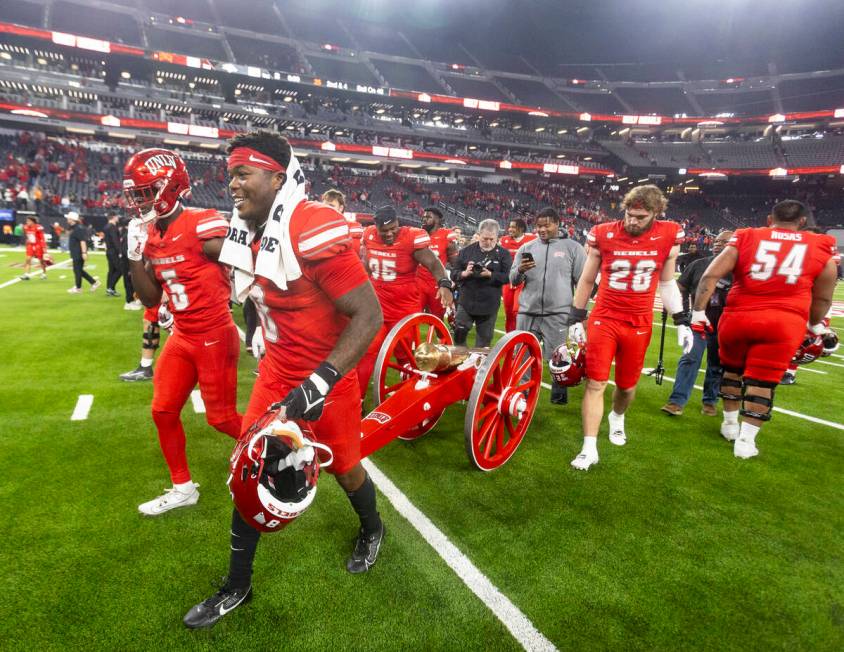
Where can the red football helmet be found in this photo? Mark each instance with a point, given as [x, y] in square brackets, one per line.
[273, 473]
[568, 368]
[810, 350]
[830, 342]
[154, 182]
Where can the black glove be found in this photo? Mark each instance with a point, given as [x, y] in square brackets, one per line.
[681, 319]
[307, 400]
[577, 315]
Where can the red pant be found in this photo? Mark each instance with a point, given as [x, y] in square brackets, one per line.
[428, 294]
[338, 427]
[759, 345]
[209, 358]
[34, 251]
[611, 338]
[510, 298]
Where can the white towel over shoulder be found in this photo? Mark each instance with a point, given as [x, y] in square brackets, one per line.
[276, 258]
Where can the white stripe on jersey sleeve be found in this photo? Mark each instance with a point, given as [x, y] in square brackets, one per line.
[309, 244]
[216, 223]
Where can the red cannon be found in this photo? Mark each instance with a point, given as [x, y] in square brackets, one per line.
[419, 373]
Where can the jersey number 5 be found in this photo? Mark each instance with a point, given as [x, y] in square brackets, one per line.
[382, 270]
[791, 267]
[175, 290]
[642, 274]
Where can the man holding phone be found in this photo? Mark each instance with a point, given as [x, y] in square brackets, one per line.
[549, 267]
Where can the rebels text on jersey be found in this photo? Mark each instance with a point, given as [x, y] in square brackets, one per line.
[440, 241]
[301, 324]
[392, 269]
[197, 286]
[630, 268]
[776, 268]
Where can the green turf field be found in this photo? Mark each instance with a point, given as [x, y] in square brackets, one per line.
[669, 543]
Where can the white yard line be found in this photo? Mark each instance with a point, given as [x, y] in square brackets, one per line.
[198, 403]
[831, 364]
[37, 271]
[83, 406]
[509, 614]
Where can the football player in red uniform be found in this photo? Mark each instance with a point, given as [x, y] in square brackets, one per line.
[444, 245]
[337, 201]
[783, 280]
[36, 246]
[634, 256]
[391, 254]
[514, 239]
[315, 331]
[177, 248]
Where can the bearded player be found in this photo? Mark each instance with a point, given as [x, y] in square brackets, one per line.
[444, 245]
[392, 253]
[315, 330]
[634, 256]
[783, 280]
[36, 247]
[515, 238]
[177, 248]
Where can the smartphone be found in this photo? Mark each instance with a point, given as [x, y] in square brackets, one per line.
[527, 256]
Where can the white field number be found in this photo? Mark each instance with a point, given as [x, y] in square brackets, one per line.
[382, 270]
[766, 261]
[175, 290]
[641, 275]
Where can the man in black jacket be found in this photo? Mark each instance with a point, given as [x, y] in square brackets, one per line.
[111, 236]
[482, 270]
[77, 243]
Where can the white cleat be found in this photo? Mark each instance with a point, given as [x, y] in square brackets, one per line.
[617, 434]
[583, 461]
[171, 499]
[745, 449]
[730, 431]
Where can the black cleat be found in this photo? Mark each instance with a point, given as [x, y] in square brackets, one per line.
[788, 378]
[366, 550]
[141, 373]
[207, 613]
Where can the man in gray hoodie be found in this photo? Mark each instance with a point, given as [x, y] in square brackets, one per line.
[549, 267]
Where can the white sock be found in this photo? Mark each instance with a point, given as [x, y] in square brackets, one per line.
[618, 419]
[748, 432]
[590, 445]
[185, 487]
[731, 416]
[146, 362]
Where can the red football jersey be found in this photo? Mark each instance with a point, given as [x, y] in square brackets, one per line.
[34, 235]
[776, 268]
[512, 244]
[355, 231]
[198, 287]
[440, 240]
[630, 268]
[301, 324]
[392, 269]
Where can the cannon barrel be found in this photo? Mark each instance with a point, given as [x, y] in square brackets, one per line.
[433, 357]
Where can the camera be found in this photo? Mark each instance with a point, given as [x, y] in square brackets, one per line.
[479, 267]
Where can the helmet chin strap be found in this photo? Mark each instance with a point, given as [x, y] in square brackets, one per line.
[152, 216]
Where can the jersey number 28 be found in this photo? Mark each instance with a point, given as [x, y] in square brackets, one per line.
[640, 281]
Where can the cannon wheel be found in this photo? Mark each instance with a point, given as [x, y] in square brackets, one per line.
[503, 400]
[397, 353]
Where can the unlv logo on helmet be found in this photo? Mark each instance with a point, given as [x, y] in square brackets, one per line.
[155, 182]
[155, 163]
